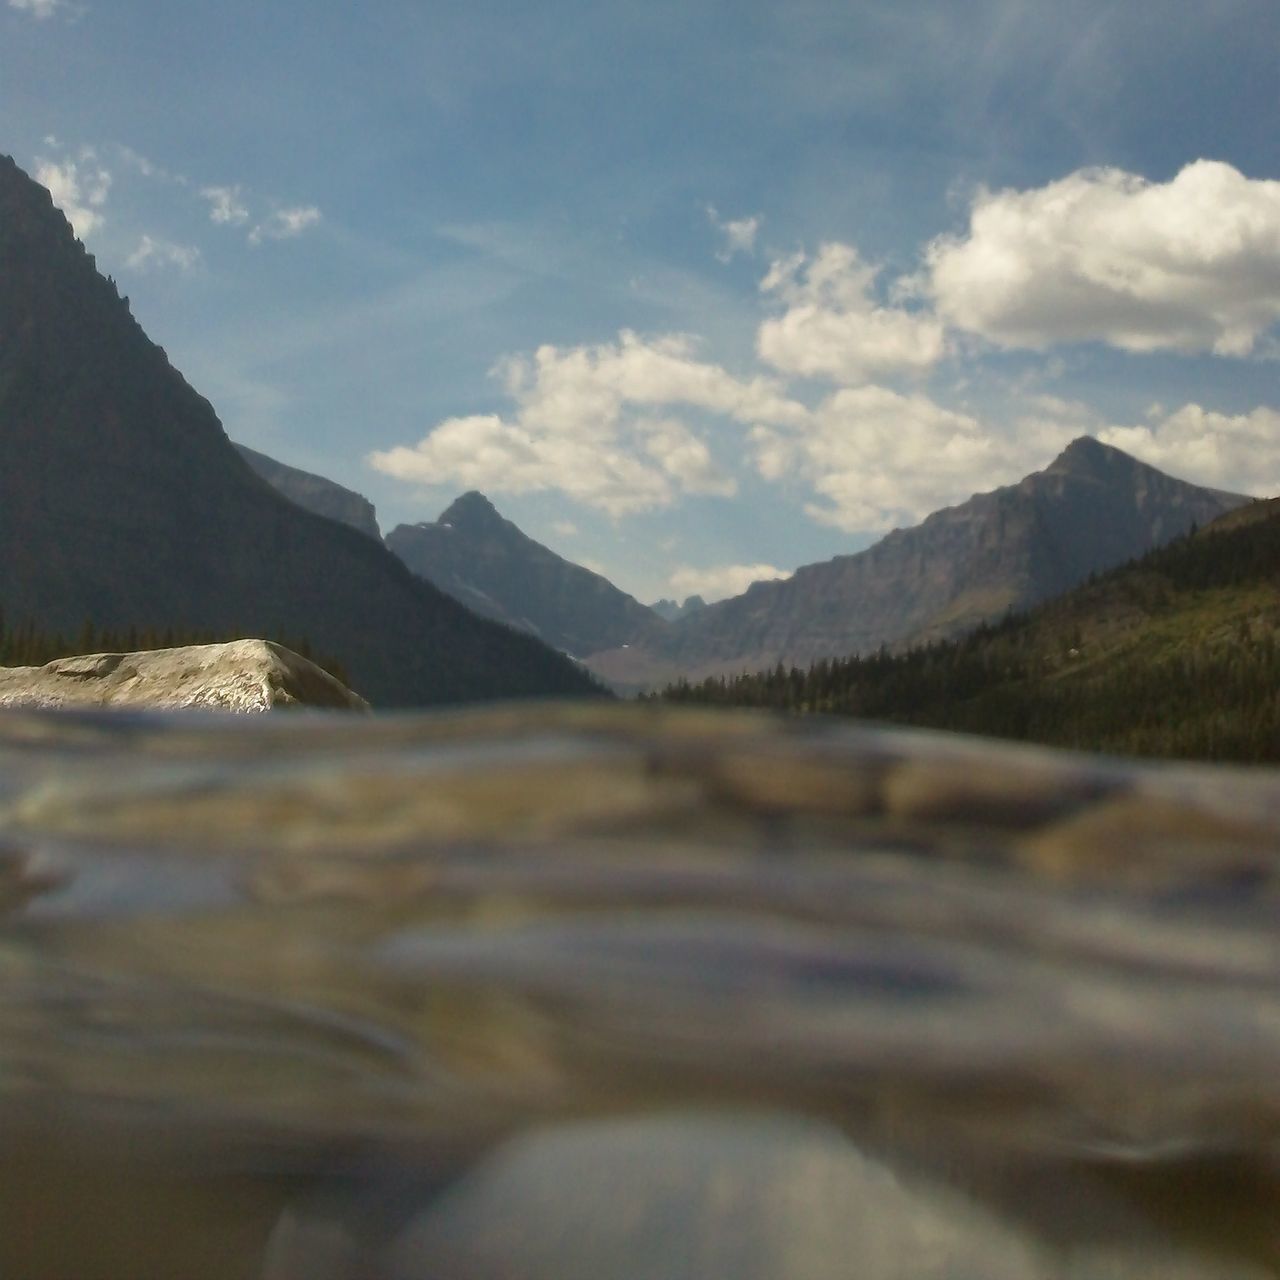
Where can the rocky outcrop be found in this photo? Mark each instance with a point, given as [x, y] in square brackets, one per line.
[315, 493]
[490, 565]
[123, 503]
[244, 675]
[1094, 507]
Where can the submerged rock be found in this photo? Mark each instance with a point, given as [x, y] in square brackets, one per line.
[244, 675]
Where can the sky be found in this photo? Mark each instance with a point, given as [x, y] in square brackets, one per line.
[695, 292]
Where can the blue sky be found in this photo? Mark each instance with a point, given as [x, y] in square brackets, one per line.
[695, 292]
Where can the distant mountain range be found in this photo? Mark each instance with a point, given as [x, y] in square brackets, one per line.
[1174, 654]
[491, 566]
[1092, 508]
[123, 503]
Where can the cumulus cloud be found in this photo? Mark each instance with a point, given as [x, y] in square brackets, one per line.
[878, 458]
[154, 253]
[738, 235]
[585, 422]
[1239, 452]
[1192, 264]
[79, 188]
[832, 326]
[283, 224]
[722, 581]
[225, 205]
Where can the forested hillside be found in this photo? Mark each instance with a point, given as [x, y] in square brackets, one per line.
[1175, 654]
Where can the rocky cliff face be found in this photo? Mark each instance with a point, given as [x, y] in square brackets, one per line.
[315, 493]
[123, 502]
[1092, 508]
[242, 676]
[491, 566]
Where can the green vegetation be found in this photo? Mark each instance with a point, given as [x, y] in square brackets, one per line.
[1176, 654]
[27, 645]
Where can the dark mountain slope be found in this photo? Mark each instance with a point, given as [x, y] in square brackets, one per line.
[314, 493]
[1175, 654]
[122, 501]
[493, 567]
[1092, 508]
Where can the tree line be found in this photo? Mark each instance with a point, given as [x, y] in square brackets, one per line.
[1176, 654]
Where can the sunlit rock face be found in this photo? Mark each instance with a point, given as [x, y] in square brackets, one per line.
[243, 675]
[589, 991]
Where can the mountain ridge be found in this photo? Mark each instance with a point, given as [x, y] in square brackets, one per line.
[130, 507]
[485, 560]
[1091, 507]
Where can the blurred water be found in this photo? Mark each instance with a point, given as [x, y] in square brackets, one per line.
[559, 992]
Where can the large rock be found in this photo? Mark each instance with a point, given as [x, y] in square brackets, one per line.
[245, 675]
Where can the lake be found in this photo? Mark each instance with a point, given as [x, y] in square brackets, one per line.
[549, 992]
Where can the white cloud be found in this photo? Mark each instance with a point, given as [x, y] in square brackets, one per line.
[832, 326]
[154, 253]
[879, 459]
[1239, 452]
[721, 581]
[284, 224]
[584, 424]
[684, 457]
[79, 189]
[565, 528]
[39, 9]
[225, 205]
[739, 234]
[1192, 264]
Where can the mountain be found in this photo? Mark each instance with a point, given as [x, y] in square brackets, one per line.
[123, 502]
[1174, 654]
[674, 612]
[485, 561]
[1092, 508]
[314, 493]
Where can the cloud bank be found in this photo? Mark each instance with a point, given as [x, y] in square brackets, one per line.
[832, 327]
[594, 423]
[721, 581]
[1101, 255]
[1191, 265]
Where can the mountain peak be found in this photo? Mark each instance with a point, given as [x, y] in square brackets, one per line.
[1087, 454]
[472, 509]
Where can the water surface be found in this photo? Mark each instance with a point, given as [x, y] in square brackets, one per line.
[569, 992]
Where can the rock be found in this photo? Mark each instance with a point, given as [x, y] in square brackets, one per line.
[710, 1196]
[245, 675]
